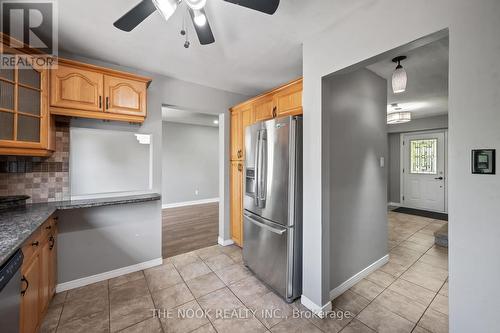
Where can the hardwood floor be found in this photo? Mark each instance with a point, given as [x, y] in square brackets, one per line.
[189, 228]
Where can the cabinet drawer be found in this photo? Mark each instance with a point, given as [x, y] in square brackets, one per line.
[32, 245]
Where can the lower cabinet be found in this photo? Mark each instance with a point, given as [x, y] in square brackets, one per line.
[38, 272]
[30, 294]
[236, 204]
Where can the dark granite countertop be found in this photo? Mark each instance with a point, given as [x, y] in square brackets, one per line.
[17, 224]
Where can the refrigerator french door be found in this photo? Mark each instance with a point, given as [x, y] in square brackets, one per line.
[272, 215]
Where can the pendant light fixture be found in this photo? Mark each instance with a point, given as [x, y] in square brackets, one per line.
[399, 77]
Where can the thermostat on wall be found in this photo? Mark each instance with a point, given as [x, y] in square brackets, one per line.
[483, 161]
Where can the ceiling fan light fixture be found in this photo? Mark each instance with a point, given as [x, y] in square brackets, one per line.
[165, 7]
[199, 18]
[196, 4]
[399, 77]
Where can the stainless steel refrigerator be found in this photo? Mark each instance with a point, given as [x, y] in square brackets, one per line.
[272, 216]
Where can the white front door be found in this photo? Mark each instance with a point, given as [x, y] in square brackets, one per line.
[424, 171]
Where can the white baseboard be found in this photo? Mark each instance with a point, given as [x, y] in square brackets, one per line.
[358, 277]
[320, 311]
[107, 275]
[395, 204]
[224, 242]
[189, 203]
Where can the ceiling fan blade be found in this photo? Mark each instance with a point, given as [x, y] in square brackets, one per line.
[204, 32]
[264, 6]
[135, 16]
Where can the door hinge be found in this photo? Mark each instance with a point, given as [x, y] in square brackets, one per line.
[403, 198]
[403, 170]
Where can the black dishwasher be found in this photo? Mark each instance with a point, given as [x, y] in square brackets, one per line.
[10, 293]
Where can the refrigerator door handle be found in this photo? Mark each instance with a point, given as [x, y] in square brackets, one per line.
[262, 194]
[257, 169]
[265, 226]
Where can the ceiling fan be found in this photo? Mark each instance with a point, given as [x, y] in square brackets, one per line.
[196, 10]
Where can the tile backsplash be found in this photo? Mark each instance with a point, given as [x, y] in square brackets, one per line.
[43, 179]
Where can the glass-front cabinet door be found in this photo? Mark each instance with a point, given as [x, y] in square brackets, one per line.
[23, 107]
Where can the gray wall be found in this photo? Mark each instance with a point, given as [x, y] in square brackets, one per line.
[393, 168]
[393, 141]
[190, 162]
[354, 109]
[100, 239]
[474, 99]
[163, 90]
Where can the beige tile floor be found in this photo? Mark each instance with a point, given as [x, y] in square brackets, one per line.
[408, 294]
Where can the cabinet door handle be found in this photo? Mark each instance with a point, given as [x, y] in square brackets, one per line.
[100, 102]
[107, 103]
[274, 112]
[48, 227]
[35, 243]
[23, 279]
[52, 242]
[240, 167]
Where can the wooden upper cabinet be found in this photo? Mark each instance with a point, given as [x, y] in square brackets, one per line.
[264, 108]
[76, 88]
[288, 101]
[88, 91]
[124, 96]
[25, 127]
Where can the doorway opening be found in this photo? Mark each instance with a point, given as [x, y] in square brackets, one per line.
[374, 110]
[190, 180]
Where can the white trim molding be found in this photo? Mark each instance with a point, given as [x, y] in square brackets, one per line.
[107, 275]
[394, 204]
[224, 242]
[344, 286]
[320, 311]
[189, 203]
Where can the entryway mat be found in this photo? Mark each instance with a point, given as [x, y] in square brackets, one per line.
[423, 213]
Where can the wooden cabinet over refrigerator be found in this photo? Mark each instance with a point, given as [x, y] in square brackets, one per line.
[283, 101]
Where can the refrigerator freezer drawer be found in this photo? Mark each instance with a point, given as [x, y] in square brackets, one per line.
[266, 253]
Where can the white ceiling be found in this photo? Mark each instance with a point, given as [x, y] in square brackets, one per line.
[253, 52]
[189, 117]
[426, 93]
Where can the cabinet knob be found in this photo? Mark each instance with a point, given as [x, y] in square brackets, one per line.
[23, 279]
[52, 242]
[48, 227]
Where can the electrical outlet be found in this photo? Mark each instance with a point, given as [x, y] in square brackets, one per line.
[196, 192]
